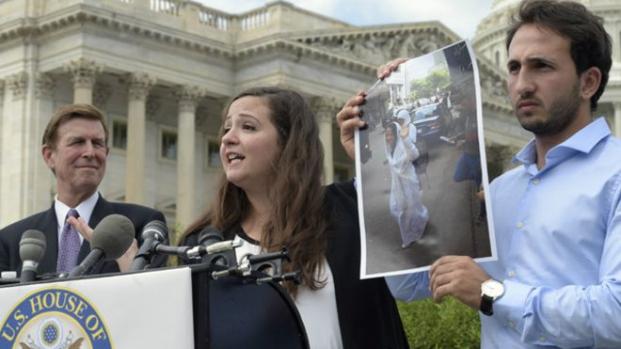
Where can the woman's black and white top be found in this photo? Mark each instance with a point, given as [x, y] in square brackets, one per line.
[317, 308]
[367, 314]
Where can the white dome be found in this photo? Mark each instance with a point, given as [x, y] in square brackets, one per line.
[489, 39]
[498, 4]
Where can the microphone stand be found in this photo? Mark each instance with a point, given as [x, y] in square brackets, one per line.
[261, 268]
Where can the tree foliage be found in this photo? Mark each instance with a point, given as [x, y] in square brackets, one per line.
[428, 86]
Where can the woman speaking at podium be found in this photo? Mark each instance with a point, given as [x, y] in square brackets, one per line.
[271, 196]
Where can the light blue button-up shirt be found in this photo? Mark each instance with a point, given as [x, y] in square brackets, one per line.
[558, 235]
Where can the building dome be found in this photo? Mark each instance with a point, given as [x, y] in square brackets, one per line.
[503, 3]
[489, 39]
[489, 42]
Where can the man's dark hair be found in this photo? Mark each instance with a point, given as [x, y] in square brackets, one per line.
[590, 45]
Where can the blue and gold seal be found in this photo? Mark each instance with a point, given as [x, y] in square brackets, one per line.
[54, 318]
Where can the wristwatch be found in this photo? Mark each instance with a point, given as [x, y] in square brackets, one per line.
[491, 290]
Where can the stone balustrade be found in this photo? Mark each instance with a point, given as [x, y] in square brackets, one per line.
[191, 16]
[254, 19]
[164, 6]
[215, 19]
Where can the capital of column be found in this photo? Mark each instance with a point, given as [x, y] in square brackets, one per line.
[139, 85]
[18, 83]
[325, 108]
[188, 97]
[44, 85]
[83, 72]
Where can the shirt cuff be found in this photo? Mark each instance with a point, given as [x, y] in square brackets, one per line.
[409, 287]
[509, 309]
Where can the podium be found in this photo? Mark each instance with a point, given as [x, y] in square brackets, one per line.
[179, 307]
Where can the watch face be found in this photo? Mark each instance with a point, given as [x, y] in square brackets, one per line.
[492, 288]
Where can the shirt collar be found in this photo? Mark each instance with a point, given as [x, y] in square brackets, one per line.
[582, 141]
[85, 208]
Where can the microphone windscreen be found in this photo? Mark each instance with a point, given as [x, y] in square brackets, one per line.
[32, 245]
[156, 230]
[209, 235]
[113, 235]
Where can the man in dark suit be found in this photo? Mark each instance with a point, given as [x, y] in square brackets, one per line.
[75, 148]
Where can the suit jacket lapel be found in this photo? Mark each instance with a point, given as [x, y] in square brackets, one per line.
[49, 227]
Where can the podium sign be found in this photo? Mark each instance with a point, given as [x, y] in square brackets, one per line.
[142, 310]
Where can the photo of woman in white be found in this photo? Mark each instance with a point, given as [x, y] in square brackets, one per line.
[406, 204]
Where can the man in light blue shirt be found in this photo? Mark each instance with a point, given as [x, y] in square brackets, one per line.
[557, 216]
[559, 246]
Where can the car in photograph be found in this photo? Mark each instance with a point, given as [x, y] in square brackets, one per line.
[428, 122]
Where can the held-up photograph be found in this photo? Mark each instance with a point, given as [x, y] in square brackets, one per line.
[420, 167]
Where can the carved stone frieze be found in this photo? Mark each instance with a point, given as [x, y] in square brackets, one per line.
[83, 72]
[18, 84]
[378, 49]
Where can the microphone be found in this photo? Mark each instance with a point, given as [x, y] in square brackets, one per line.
[153, 234]
[111, 238]
[31, 250]
[209, 236]
[195, 252]
[263, 263]
[217, 251]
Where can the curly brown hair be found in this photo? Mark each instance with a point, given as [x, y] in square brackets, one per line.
[297, 218]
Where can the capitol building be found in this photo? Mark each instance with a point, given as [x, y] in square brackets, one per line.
[162, 70]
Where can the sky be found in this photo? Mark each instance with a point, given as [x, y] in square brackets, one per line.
[460, 16]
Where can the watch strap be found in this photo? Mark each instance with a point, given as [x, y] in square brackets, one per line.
[486, 306]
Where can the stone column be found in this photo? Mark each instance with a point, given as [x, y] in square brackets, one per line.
[2, 84]
[188, 97]
[139, 86]
[84, 73]
[14, 135]
[41, 189]
[614, 30]
[617, 128]
[325, 110]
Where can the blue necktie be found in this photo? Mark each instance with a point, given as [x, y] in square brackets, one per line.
[69, 245]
